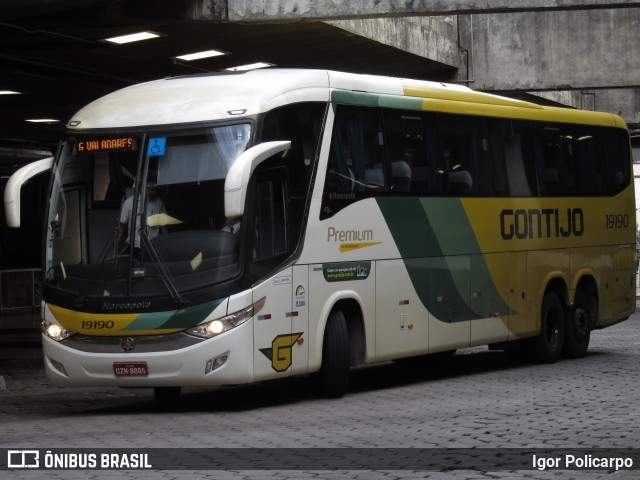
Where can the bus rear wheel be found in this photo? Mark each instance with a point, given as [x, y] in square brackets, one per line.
[333, 377]
[578, 330]
[547, 346]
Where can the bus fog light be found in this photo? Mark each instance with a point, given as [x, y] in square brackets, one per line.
[55, 331]
[216, 363]
[59, 367]
[219, 361]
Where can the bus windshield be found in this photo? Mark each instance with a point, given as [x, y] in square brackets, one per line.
[136, 215]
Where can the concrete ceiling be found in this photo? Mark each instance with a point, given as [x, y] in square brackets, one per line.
[52, 52]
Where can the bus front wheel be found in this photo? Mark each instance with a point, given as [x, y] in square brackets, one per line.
[333, 377]
[547, 346]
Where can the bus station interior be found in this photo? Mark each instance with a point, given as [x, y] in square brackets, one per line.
[55, 57]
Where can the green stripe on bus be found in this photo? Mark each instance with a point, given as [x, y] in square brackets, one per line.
[440, 251]
[376, 100]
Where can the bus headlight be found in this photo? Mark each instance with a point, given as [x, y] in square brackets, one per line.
[55, 331]
[220, 325]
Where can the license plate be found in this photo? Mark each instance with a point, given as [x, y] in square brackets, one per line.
[138, 369]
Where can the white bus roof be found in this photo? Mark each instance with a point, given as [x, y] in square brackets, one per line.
[213, 97]
[234, 95]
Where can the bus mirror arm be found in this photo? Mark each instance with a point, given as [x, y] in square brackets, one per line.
[235, 185]
[14, 185]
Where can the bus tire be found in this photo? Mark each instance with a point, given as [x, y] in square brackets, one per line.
[333, 377]
[547, 346]
[578, 327]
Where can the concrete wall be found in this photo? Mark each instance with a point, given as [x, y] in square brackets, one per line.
[556, 50]
[297, 10]
[587, 59]
[435, 38]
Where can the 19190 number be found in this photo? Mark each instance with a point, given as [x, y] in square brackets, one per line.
[619, 220]
[97, 324]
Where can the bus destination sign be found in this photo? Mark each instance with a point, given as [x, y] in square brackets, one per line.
[104, 145]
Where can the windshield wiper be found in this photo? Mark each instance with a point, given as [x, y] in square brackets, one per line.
[165, 275]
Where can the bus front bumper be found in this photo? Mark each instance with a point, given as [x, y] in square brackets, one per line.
[223, 360]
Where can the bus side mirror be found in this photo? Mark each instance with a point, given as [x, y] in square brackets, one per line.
[14, 185]
[235, 185]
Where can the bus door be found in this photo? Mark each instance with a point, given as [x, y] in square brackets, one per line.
[279, 328]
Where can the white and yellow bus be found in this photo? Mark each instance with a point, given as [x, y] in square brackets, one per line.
[306, 221]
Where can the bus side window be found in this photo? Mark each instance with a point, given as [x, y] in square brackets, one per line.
[554, 166]
[498, 141]
[412, 153]
[270, 220]
[511, 173]
[465, 155]
[300, 123]
[618, 156]
[590, 179]
[357, 159]
[361, 149]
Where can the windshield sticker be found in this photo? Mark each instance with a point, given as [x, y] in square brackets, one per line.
[344, 272]
[301, 297]
[283, 280]
[156, 146]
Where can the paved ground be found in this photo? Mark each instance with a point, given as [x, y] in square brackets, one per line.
[479, 400]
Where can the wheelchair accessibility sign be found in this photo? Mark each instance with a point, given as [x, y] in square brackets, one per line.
[156, 146]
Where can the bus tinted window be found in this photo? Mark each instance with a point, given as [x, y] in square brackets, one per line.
[357, 160]
[548, 159]
[588, 167]
[466, 160]
[300, 123]
[502, 145]
[357, 150]
[428, 154]
[617, 156]
[554, 160]
[413, 153]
